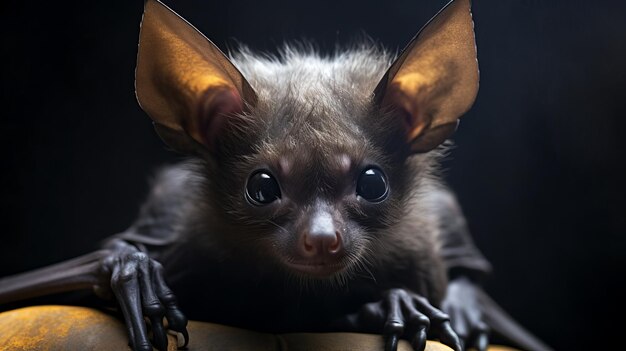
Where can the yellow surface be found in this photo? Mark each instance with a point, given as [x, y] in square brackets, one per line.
[60, 328]
[80, 328]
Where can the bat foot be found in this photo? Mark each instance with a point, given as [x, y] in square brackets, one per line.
[138, 283]
[402, 314]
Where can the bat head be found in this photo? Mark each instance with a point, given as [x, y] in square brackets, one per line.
[312, 159]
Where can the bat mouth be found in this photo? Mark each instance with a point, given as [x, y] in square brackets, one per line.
[316, 269]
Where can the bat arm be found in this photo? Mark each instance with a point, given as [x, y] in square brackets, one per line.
[76, 274]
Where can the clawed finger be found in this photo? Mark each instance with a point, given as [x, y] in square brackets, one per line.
[419, 341]
[447, 336]
[468, 325]
[159, 336]
[152, 307]
[394, 325]
[125, 285]
[411, 319]
[479, 334]
[417, 323]
[175, 317]
[391, 342]
[440, 322]
[460, 323]
[482, 341]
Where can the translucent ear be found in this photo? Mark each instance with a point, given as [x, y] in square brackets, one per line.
[184, 82]
[435, 79]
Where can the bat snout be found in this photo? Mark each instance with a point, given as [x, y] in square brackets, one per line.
[321, 240]
[320, 247]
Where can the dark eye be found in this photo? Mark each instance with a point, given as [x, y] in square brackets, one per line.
[372, 185]
[262, 188]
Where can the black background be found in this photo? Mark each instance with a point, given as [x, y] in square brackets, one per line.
[538, 166]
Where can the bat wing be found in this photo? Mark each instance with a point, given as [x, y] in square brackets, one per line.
[504, 325]
[80, 273]
[76, 274]
[462, 257]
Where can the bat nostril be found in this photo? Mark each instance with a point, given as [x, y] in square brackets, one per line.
[309, 244]
[334, 244]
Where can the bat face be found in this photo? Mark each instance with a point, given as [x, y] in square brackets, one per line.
[310, 157]
[306, 174]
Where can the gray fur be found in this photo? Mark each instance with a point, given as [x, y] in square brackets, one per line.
[324, 84]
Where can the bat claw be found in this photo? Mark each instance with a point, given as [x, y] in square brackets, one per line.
[482, 342]
[449, 337]
[419, 341]
[391, 343]
[183, 339]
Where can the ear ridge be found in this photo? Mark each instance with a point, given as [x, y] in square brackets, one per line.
[183, 81]
[435, 79]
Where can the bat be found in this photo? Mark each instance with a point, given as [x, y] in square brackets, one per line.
[310, 200]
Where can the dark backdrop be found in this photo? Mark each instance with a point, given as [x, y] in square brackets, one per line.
[539, 162]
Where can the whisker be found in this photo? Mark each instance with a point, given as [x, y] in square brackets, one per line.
[277, 225]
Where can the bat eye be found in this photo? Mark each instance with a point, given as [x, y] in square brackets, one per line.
[372, 185]
[262, 188]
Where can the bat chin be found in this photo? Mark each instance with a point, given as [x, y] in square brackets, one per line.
[319, 269]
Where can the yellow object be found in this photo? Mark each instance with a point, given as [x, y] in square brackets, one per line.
[81, 328]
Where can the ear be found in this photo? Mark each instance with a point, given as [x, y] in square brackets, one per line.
[435, 79]
[184, 82]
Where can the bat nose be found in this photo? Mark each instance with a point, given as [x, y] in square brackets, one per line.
[322, 244]
[322, 238]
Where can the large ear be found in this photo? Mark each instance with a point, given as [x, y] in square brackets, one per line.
[435, 79]
[184, 82]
